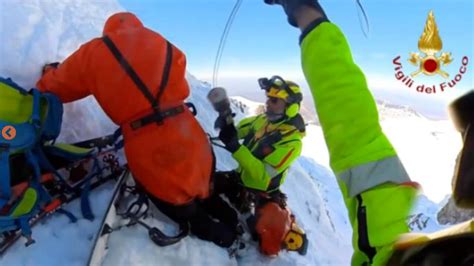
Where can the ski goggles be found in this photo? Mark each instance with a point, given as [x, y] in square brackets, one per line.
[277, 87]
[273, 100]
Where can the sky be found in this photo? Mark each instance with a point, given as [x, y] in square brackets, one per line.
[261, 42]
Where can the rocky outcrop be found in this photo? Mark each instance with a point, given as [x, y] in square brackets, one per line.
[451, 214]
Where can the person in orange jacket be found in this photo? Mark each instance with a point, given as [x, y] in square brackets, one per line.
[138, 78]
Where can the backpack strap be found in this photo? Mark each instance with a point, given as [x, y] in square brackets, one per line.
[5, 189]
[157, 116]
[298, 122]
[35, 114]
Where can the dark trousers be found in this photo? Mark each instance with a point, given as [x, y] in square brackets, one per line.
[211, 219]
[227, 183]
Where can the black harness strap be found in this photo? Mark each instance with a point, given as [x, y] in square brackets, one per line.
[166, 70]
[129, 70]
[275, 182]
[157, 116]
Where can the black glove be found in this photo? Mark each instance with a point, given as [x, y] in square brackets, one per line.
[228, 136]
[222, 121]
[49, 65]
[290, 6]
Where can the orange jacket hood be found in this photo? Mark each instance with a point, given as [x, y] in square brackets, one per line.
[121, 21]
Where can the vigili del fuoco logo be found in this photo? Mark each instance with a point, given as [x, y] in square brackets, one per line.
[430, 62]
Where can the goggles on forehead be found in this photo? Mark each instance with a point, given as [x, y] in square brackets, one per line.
[277, 87]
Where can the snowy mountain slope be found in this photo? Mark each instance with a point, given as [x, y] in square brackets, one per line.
[45, 31]
[59, 242]
[428, 150]
[388, 110]
[52, 30]
[41, 32]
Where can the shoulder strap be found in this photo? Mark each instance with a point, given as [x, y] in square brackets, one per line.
[12, 84]
[297, 122]
[134, 76]
[166, 70]
[129, 70]
[5, 188]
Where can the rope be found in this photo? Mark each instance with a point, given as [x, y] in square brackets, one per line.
[218, 145]
[220, 49]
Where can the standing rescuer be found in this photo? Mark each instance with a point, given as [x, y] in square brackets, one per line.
[138, 78]
[376, 188]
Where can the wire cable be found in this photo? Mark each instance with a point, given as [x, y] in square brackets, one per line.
[224, 35]
[366, 33]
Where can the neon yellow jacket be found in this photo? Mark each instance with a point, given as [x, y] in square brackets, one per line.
[268, 150]
[360, 153]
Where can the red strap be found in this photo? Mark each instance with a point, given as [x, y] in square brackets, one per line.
[284, 159]
[56, 203]
[412, 184]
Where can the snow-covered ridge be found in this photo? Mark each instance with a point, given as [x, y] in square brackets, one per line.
[389, 110]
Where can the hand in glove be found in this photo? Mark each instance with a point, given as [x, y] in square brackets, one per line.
[228, 136]
[48, 67]
[222, 121]
[291, 6]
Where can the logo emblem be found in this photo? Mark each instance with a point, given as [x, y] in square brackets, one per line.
[8, 132]
[430, 44]
[430, 61]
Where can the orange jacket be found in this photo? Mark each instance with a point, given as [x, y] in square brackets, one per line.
[173, 161]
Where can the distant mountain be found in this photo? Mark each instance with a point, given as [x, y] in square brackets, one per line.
[389, 110]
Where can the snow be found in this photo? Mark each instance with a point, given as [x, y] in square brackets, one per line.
[428, 150]
[424, 216]
[58, 241]
[46, 31]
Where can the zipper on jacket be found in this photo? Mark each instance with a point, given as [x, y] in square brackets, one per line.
[363, 241]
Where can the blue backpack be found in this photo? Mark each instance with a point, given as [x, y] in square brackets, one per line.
[27, 119]
[30, 122]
